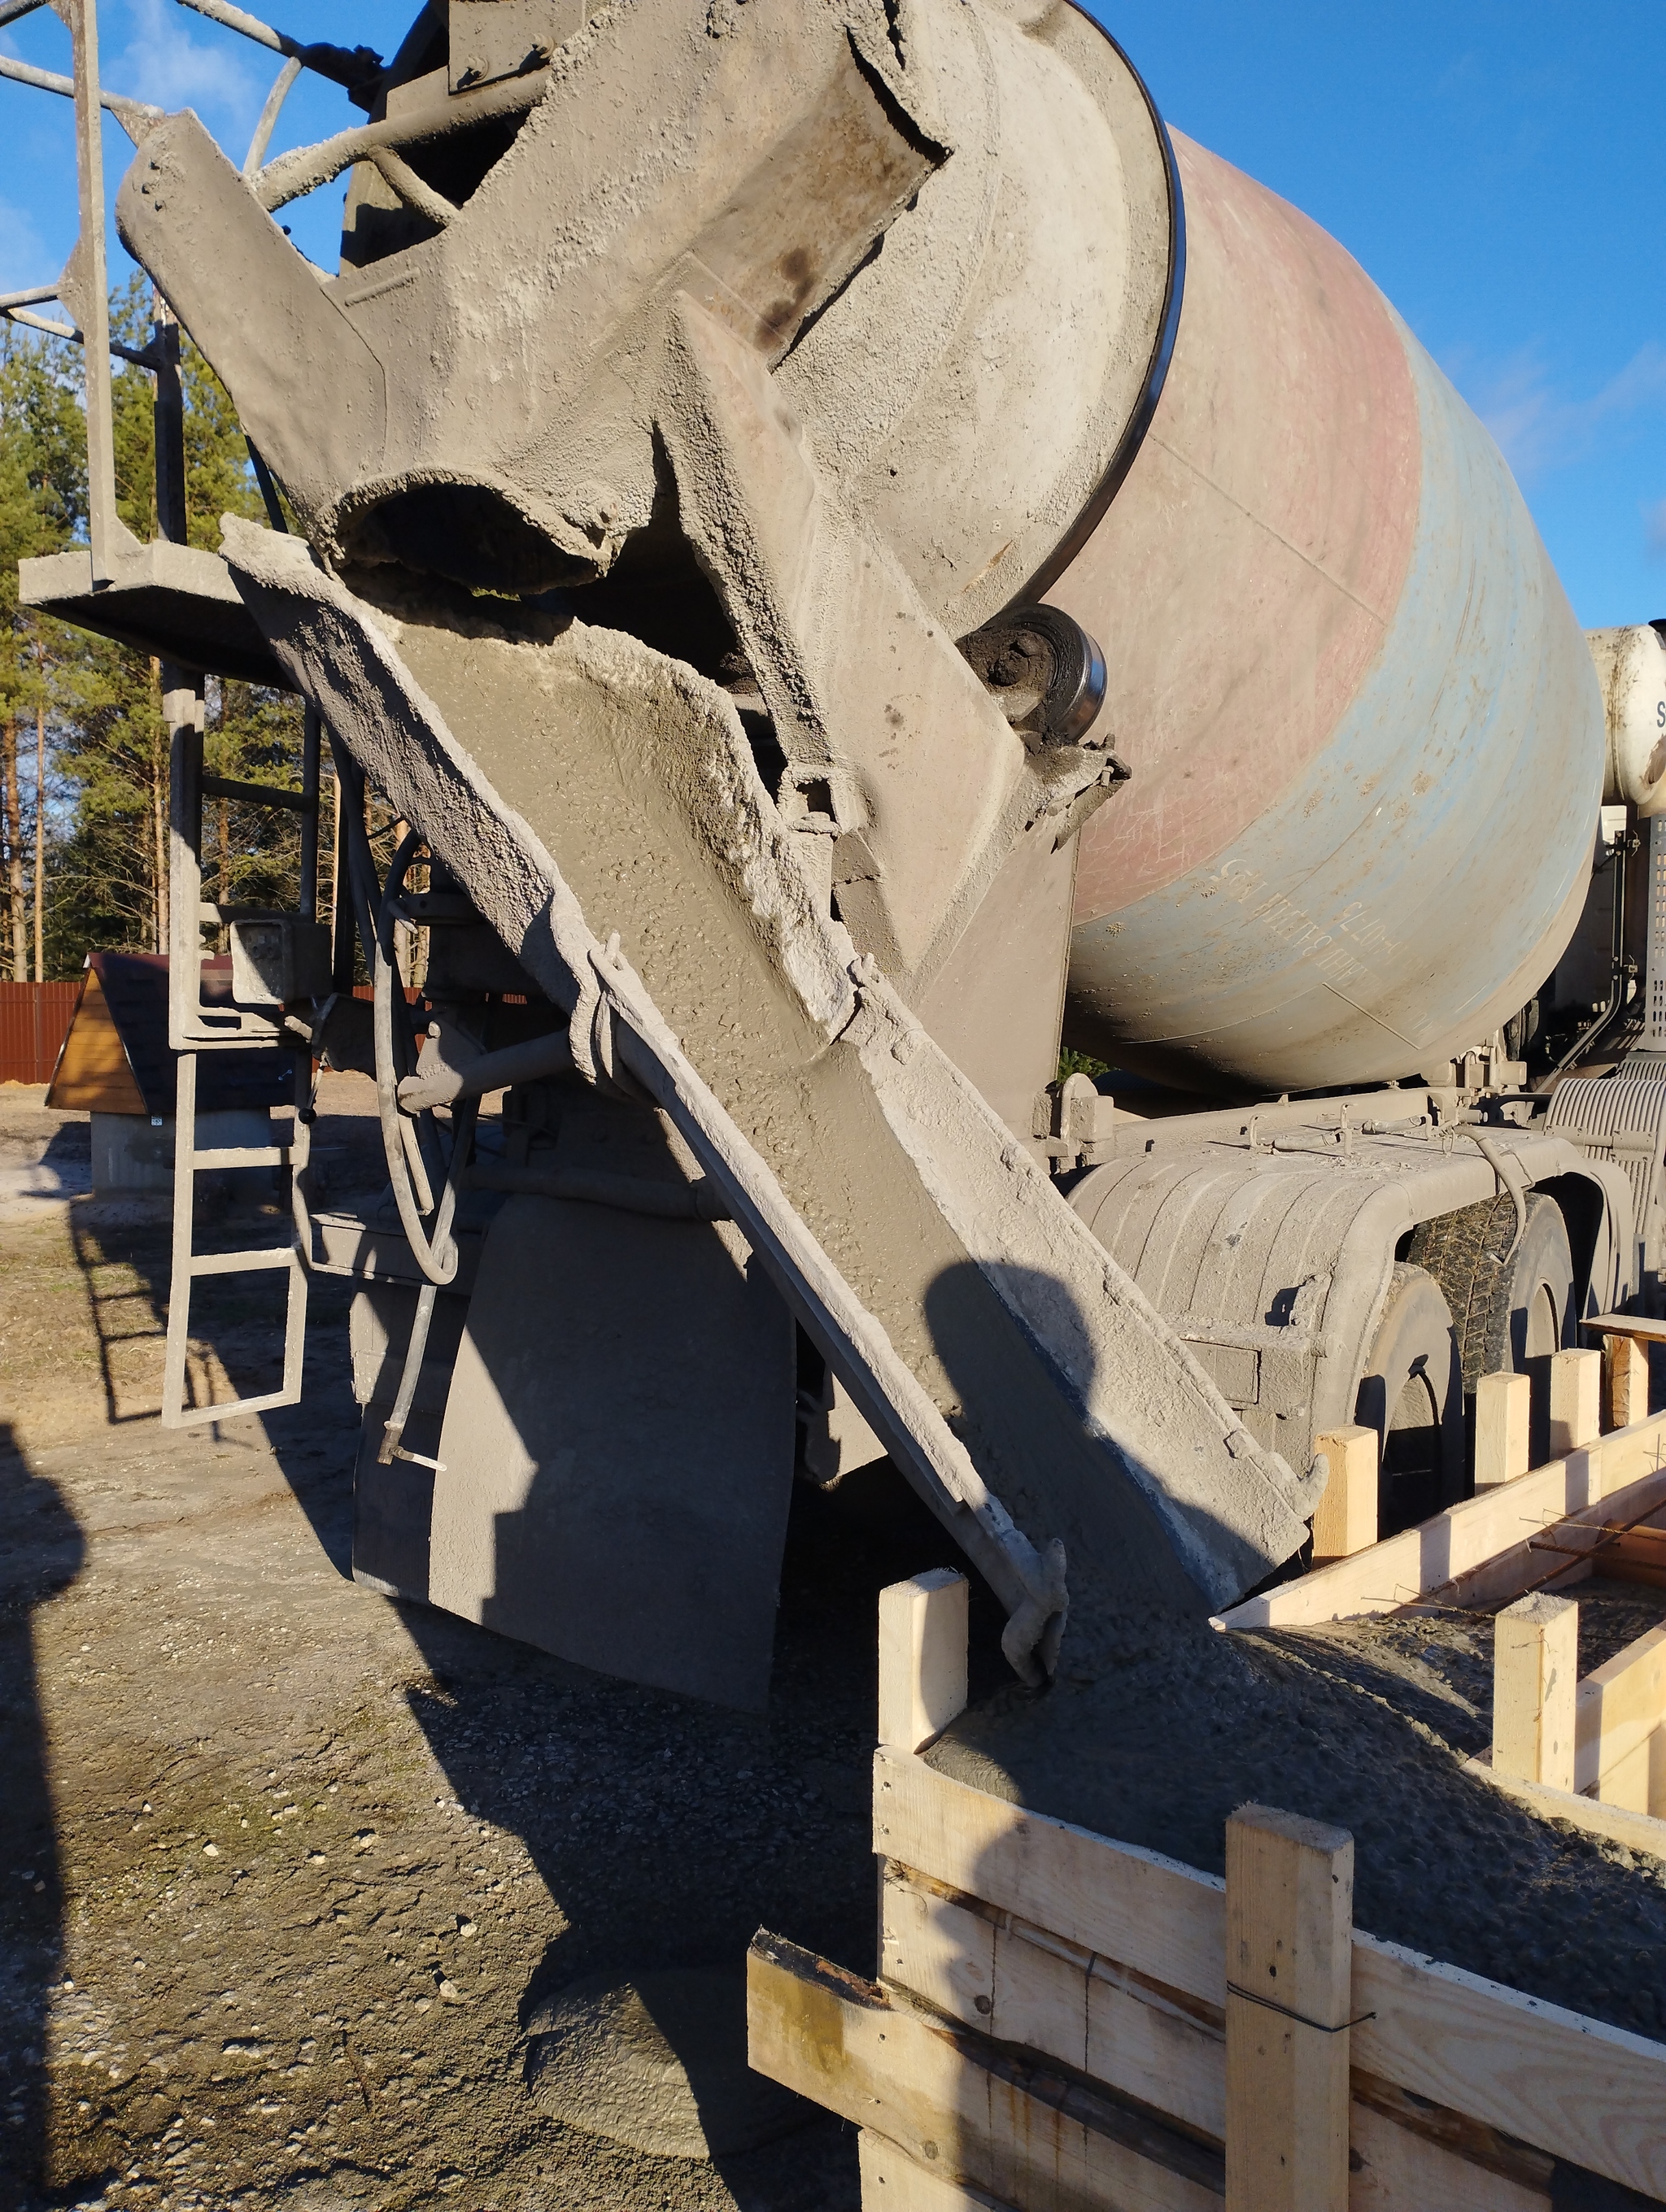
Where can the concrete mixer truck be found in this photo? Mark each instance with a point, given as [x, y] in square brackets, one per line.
[860, 557]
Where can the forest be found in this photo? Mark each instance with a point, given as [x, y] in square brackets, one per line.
[83, 752]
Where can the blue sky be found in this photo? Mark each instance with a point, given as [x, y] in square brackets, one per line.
[1496, 169]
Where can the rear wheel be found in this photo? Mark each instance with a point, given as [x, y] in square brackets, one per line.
[1512, 1309]
[1412, 1393]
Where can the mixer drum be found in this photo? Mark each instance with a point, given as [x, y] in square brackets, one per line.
[1366, 739]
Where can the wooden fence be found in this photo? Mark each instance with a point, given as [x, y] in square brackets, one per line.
[33, 1020]
[1064, 2023]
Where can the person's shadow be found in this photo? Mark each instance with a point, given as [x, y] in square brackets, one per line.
[41, 1552]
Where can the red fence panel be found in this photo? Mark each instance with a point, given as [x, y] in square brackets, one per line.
[33, 1020]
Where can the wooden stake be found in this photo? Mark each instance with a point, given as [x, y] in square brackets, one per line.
[1289, 1971]
[1535, 1678]
[1504, 1408]
[1575, 1400]
[1625, 1380]
[1346, 1521]
[922, 1658]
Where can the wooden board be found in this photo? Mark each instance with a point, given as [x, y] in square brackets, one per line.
[1345, 1519]
[891, 2182]
[1476, 1554]
[1168, 2051]
[1617, 1708]
[1289, 1932]
[1023, 1985]
[1575, 2088]
[1643, 1326]
[93, 1070]
[1536, 1670]
[1134, 1906]
[922, 1658]
[959, 2104]
[1395, 2171]
[1638, 1831]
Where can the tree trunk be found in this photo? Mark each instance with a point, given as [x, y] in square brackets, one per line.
[40, 840]
[14, 901]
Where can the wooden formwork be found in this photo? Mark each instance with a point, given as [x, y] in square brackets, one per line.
[1540, 1529]
[1064, 2023]
[1594, 1751]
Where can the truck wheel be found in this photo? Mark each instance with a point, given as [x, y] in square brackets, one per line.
[1412, 1393]
[1510, 1315]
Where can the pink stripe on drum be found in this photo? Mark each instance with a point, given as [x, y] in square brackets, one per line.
[1243, 579]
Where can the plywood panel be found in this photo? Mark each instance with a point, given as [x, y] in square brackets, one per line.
[93, 1074]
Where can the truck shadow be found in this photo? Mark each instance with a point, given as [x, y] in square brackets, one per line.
[41, 1552]
[667, 1830]
[123, 1259]
[122, 1254]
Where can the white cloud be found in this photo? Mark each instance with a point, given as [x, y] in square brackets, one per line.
[24, 257]
[167, 64]
[1539, 425]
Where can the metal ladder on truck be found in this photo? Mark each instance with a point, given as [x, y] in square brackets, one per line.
[277, 957]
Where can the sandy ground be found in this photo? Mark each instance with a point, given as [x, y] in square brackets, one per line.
[285, 1868]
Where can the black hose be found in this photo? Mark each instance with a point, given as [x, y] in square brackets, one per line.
[435, 1254]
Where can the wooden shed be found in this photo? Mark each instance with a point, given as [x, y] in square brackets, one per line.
[116, 1063]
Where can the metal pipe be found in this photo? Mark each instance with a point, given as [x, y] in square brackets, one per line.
[349, 794]
[1618, 971]
[128, 113]
[269, 114]
[416, 1348]
[41, 323]
[436, 1255]
[169, 415]
[263, 476]
[350, 66]
[419, 196]
[527, 1062]
[141, 356]
[308, 166]
[104, 524]
[238, 19]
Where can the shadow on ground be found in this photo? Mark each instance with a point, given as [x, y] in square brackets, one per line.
[41, 1552]
[665, 1832]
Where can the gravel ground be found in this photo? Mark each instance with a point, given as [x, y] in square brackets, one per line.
[285, 1869]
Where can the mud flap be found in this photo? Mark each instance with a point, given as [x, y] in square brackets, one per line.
[616, 1460]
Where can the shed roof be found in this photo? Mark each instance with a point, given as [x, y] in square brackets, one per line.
[116, 1057]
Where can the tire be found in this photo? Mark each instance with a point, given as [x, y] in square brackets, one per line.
[1412, 1393]
[1510, 1313]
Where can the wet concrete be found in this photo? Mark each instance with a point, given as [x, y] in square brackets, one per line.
[1154, 1731]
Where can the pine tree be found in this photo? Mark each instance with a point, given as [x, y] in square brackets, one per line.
[98, 704]
[42, 502]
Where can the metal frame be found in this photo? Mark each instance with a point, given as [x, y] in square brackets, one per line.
[194, 1029]
[188, 1264]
